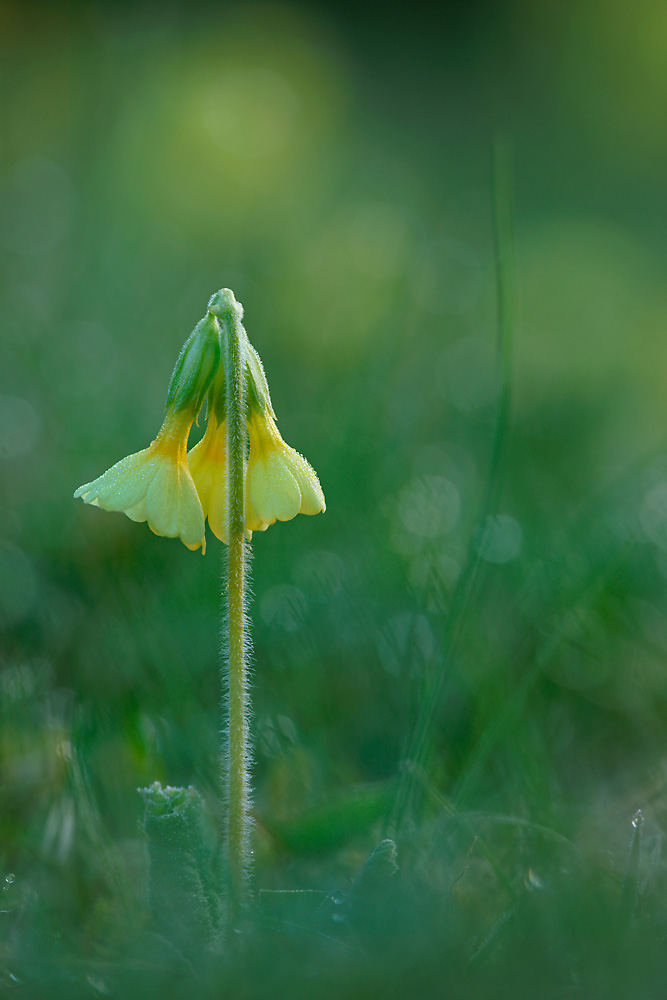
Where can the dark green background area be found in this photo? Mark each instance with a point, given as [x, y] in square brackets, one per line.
[332, 165]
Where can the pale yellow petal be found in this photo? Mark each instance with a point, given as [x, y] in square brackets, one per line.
[123, 485]
[312, 497]
[172, 505]
[252, 521]
[272, 489]
[191, 517]
[138, 512]
[217, 520]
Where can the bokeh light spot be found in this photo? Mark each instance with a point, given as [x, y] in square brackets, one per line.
[429, 506]
[407, 641]
[321, 575]
[499, 539]
[250, 112]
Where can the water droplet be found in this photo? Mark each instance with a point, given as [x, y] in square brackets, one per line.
[337, 898]
[10, 879]
[638, 820]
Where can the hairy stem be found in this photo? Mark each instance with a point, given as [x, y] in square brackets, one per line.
[236, 751]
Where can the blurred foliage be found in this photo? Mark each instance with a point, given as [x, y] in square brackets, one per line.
[332, 168]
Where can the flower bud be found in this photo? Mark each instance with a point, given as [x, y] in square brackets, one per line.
[196, 366]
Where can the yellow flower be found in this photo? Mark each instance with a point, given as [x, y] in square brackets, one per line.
[279, 483]
[208, 461]
[155, 485]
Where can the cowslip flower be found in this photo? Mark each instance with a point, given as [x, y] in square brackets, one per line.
[176, 491]
[207, 462]
[280, 483]
[155, 485]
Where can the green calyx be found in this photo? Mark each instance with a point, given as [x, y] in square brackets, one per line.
[199, 373]
[258, 397]
[196, 366]
[224, 306]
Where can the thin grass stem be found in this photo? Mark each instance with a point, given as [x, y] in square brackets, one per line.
[420, 742]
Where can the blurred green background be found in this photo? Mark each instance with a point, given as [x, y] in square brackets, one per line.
[332, 167]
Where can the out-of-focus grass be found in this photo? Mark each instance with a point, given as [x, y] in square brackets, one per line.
[334, 173]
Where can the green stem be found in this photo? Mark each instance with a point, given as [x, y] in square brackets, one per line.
[236, 750]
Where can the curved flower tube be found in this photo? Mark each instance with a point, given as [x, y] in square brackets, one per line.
[207, 461]
[155, 485]
[280, 483]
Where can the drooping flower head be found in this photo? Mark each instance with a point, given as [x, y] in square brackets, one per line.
[175, 491]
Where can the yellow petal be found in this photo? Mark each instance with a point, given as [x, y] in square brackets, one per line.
[217, 519]
[155, 485]
[312, 497]
[272, 489]
[123, 485]
[138, 512]
[252, 520]
[172, 505]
